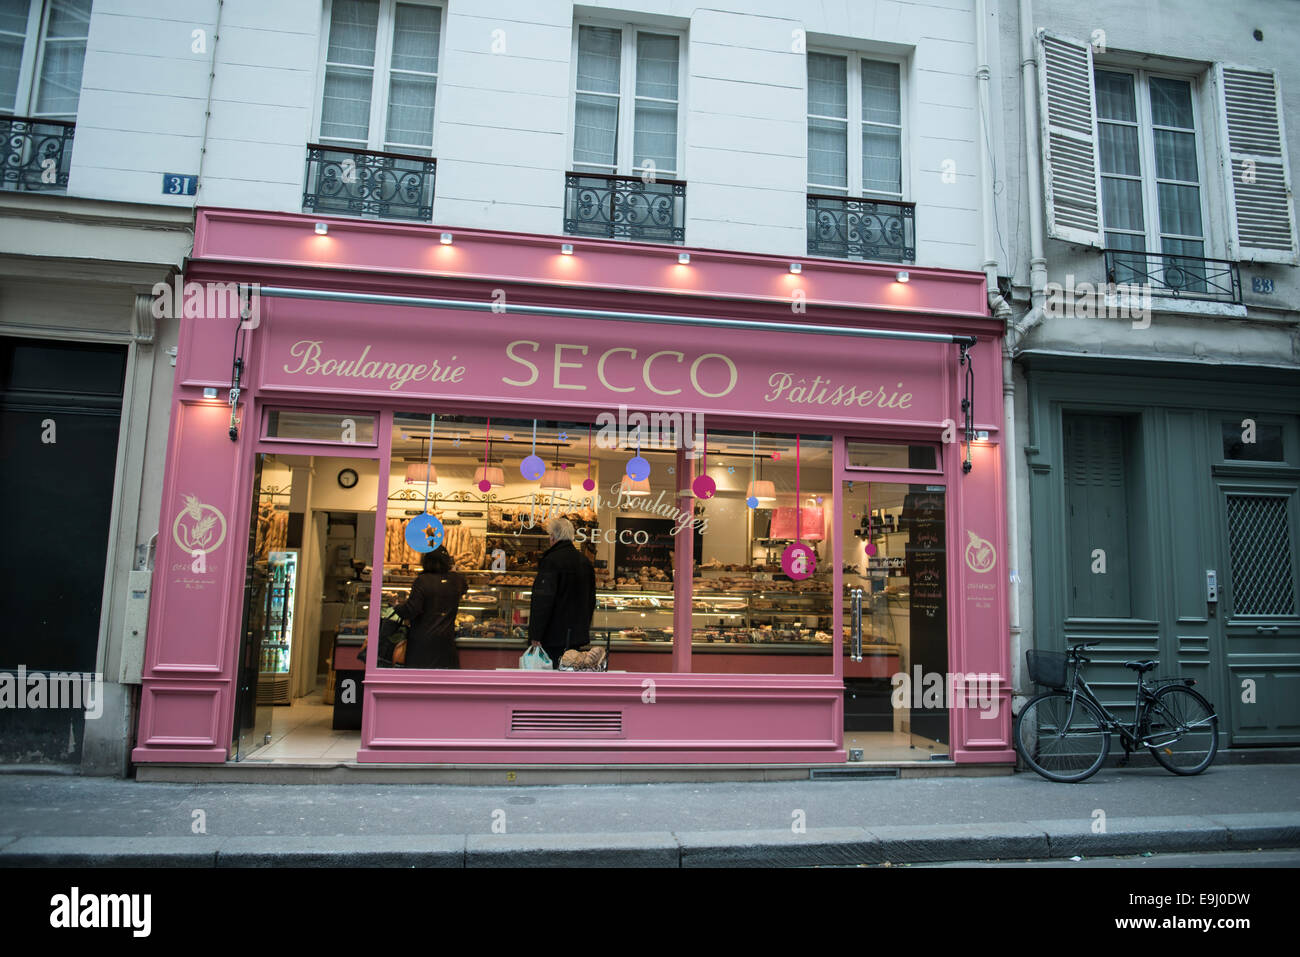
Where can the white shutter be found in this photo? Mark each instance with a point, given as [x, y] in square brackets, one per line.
[1260, 203]
[1068, 115]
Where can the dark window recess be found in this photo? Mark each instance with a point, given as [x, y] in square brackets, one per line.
[60, 407]
[368, 183]
[625, 207]
[850, 228]
[1096, 517]
[1252, 442]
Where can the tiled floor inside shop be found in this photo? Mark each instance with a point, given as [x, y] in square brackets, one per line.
[301, 733]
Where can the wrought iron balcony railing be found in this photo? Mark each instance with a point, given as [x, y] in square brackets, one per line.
[355, 182]
[36, 153]
[1184, 277]
[625, 207]
[847, 227]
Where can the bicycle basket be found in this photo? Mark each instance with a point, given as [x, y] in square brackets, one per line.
[1048, 668]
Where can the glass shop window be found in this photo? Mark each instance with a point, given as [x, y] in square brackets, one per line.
[337, 428]
[864, 454]
[757, 607]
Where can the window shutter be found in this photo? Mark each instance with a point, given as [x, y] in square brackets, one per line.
[1068, 114]
[1260, 203]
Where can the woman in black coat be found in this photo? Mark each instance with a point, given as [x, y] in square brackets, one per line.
[431, 608]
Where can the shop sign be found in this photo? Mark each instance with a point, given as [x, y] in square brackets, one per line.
[383, 350]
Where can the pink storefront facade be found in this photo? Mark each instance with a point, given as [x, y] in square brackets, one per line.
[363, 298]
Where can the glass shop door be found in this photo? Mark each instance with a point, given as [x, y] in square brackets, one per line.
[895, 627]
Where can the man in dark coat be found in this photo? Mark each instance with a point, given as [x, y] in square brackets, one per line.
[564, 595]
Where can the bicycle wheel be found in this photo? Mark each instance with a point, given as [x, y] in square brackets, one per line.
[1182, 730]
[1059, 740]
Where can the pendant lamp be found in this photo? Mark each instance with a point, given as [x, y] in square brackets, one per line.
[635, 488]
[493, 474]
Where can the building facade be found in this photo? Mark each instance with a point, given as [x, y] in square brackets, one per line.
[1155, 351]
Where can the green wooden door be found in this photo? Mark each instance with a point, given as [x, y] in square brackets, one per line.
[1259, 610]
[1096, 515]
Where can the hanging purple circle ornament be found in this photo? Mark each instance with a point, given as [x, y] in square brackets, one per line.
[532, 467]
[638, 468]
[752, 502]
[589, 484]
[704, 487]
[424, 533]
[798, 561]
[484, 485]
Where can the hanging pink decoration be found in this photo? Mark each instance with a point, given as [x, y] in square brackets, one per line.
[589, 483]
[703, 486]
[870, 548]
[798, 561]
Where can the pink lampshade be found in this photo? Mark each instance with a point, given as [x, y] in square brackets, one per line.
[493, 473]
[416, 472]
[762, 490]
[557, 479]
[635, 488]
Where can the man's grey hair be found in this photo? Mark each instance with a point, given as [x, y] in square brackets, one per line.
[560, 530]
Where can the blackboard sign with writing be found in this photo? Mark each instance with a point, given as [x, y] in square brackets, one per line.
[923, 519]
[643, 543]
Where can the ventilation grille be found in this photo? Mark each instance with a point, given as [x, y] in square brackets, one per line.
[564, 723]
[839, 774]
[1259, 546]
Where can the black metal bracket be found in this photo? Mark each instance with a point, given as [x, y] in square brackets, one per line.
[968, 400]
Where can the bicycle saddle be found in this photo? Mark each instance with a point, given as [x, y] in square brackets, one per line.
[1141, 667]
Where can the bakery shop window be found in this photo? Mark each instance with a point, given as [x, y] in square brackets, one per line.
[492, 485]
[752, 609]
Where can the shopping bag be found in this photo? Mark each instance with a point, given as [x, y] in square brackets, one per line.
[535, 659]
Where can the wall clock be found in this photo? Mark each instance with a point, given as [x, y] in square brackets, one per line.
[348, 478]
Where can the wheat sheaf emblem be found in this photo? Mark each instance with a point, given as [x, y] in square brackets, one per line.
[198, 534]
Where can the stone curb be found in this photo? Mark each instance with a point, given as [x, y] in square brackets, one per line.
[845, 846]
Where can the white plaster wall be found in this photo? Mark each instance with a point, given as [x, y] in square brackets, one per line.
[504, 110]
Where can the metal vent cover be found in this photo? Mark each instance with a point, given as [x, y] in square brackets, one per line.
[566, 723]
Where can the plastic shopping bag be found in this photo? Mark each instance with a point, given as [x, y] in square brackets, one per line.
[535, 659]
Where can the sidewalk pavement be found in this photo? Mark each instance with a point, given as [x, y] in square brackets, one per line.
[69, 821]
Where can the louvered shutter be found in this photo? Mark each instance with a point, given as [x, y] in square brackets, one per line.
[1260, 203]
[1096, 504]
[1068, 114]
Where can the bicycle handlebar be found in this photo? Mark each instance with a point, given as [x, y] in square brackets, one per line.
[1076, 650]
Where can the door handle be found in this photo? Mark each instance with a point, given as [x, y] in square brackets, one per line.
[1267, 629]
[855, 653]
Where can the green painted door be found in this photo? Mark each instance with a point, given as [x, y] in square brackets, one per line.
[1259, 610]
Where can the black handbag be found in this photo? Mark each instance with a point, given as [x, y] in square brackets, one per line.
[392, 643]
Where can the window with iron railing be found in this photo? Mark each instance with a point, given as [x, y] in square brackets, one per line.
[624, 182]
[855, 160]
[374, 151]
[42, 49]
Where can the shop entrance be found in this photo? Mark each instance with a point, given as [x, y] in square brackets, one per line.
[310, 538]
[895, 620]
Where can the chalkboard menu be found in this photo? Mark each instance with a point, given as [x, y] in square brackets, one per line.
[923, 519]
[652, 549]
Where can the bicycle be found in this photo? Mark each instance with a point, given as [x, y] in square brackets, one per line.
[1064, 735]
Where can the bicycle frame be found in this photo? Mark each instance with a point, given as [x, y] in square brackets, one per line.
[1129, 735]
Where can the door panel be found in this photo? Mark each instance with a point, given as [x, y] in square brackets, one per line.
[1260, 611]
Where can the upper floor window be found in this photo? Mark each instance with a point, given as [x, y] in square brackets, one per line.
[855, 126]
[626, 101]
[381, 76]
[1150, 174]
[42, 48]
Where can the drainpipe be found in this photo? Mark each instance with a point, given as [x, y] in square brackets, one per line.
[1002, 310]
[1033, 181]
